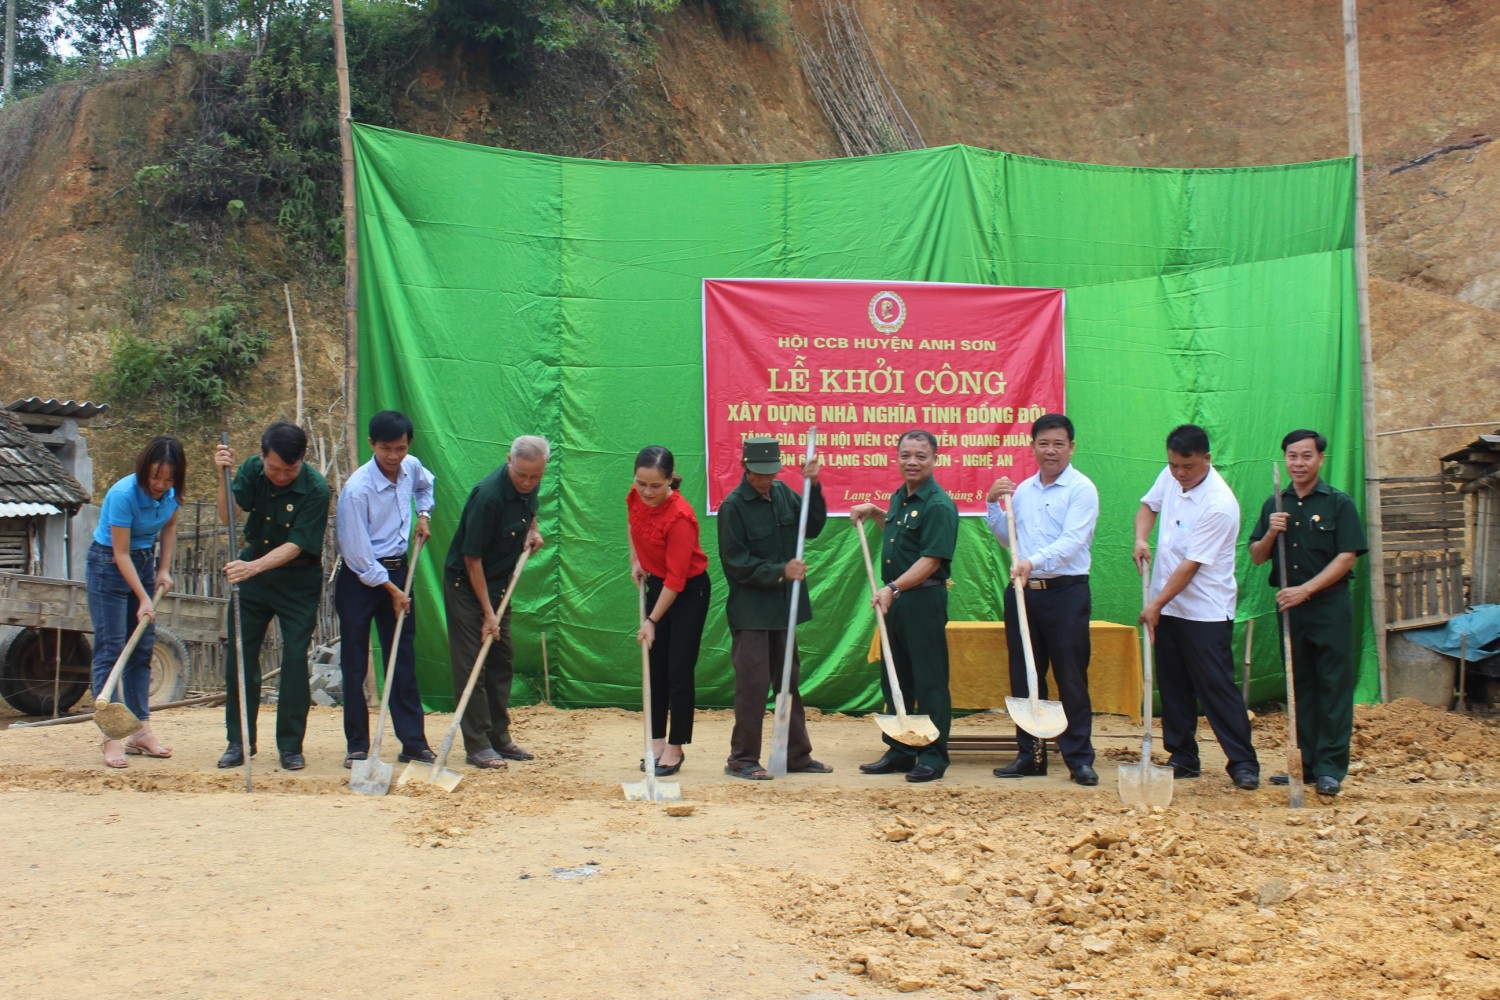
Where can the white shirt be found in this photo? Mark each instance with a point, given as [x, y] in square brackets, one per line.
[1201, 525]
[374, 519]
[1054, 524]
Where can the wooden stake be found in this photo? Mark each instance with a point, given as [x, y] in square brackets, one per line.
[351, 250]
[1374, 522]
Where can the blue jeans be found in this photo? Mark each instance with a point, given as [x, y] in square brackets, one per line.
[112, 606]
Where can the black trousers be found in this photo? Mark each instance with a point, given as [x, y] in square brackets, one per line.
[1059, 621]
[1195, 665]
[674, 658]
[358, 606]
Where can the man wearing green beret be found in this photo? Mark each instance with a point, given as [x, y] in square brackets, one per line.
[758, 548]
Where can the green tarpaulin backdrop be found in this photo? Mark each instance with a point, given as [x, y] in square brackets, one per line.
[503, 293]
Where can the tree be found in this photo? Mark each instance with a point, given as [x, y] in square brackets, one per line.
[29, 44]
[108, 27]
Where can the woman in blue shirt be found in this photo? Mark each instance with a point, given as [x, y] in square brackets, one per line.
[136, 511]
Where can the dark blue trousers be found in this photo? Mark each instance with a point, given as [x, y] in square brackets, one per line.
[1195, 666]
[1059, 622]
[358, 606]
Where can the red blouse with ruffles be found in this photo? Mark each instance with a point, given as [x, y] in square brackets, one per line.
[666, 539]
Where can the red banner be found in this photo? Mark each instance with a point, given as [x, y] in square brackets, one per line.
[865, 361]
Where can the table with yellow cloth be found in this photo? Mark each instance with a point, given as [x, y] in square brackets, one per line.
[979, 671]
[979, 667]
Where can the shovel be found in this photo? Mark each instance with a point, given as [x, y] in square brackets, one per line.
[372, 776]
[116, 721]
[1042, 719]
[239, 641]
[649, 790]
[436, 772]
[913, 730]
[781, 720]
[1145, 784]
[1293, 753]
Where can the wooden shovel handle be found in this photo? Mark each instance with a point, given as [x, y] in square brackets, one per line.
[119, 668]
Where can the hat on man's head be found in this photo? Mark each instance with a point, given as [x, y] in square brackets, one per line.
[762, 456]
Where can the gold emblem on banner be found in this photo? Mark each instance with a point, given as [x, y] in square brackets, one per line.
[887, 312]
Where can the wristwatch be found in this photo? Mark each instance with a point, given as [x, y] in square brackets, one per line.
[895, 591]
[425, 513]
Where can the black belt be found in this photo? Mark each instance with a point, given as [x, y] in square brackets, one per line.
[1057, 582]
[302, 562]
[393, 562]
[929, 582]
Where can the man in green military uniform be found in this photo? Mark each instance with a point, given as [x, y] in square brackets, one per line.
[279, 573]
[758, 549]
[1324, 537]
[498, 522]
[921, 531]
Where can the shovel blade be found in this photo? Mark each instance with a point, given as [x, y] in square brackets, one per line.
[918, 731]
[429, 774]
[1042, 719]
[652, 791]
[116, 721]
[780, 734]
[370, 777]
[1145, 785]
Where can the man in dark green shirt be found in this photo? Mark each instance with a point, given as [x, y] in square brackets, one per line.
[920, 534]
[758, 549]
[498, 523]
[1324, 537]
[279, 573]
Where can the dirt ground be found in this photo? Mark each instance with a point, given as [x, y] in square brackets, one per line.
[543, 882]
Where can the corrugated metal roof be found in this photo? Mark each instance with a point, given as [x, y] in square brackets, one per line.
[30, 473]
[27, 509]
[57, 407]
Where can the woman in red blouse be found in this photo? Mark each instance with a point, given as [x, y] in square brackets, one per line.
[665, 552]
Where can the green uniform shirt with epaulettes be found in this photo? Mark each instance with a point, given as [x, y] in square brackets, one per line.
[918, 524]
[757, 538]
[295, 513]
[496, 519]
[1319, 527]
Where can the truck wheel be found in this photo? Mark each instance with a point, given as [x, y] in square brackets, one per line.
[169, 668]
[28, 665]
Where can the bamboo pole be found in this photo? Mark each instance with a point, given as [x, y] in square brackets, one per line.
[351, 251]
[1374, 523]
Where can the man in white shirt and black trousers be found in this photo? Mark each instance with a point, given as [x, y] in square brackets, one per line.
[1055, 510]
[1191, 610]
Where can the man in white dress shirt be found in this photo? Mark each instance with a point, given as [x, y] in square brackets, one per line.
[1055, 510]
[374, 523]
[1191, 611]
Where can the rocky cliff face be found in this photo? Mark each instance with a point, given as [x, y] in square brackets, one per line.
[1151, 83]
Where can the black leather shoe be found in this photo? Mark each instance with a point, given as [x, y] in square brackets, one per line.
[1085, 775]
[1179, 771]
[1024, 766]
[889, 764]
[667, 770]
[292, 761]
[234, 755]
[921, 772]
[420, 756]
[1246, 780]
[1281, 779]
[1327, 784]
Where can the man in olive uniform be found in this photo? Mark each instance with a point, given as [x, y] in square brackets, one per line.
[758, 549]
[1324, 537]
[498, 523]
[279, 573]
[920, 533]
